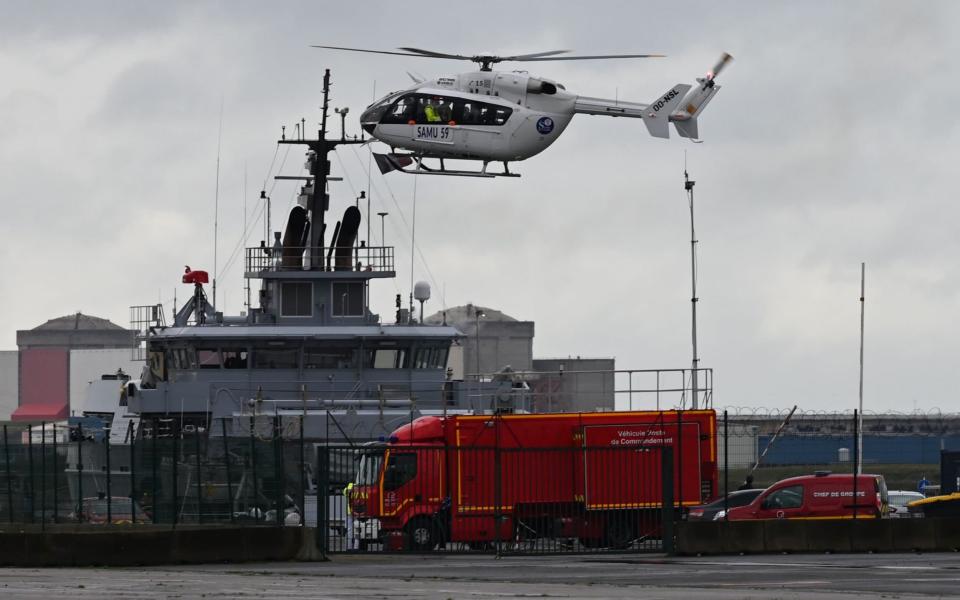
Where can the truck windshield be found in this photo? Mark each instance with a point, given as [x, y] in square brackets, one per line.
[369, 471]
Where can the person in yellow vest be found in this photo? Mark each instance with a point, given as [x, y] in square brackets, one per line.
[348, 517]
[431, 113]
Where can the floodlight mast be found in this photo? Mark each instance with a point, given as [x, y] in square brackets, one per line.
[688, 186]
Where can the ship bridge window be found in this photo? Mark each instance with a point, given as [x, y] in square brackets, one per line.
[296, 299]
[328, 358]
[389, 358]
[276, 358]
[207, 358]
[430, 358]
[348, 299]
[234, 359]
[180, 359]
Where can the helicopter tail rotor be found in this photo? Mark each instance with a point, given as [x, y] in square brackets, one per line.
[685, 117]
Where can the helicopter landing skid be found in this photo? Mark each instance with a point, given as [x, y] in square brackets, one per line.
[412, 164]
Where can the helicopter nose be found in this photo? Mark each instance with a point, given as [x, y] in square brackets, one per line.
[368, 127]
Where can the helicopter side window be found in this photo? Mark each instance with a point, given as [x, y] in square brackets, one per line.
[469, 113]
[428, 110]
[480, 113]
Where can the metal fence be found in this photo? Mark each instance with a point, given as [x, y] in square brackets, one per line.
[770, 446]
[157, 472]
[497, 500]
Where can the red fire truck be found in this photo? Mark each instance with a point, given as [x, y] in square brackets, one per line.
[595, 477]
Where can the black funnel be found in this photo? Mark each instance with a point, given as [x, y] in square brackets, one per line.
[293, 238]
[344, 242]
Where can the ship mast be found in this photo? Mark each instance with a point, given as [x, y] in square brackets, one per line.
[319, 200]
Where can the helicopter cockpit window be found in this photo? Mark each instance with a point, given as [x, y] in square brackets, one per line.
[402, 112]
[376, 110]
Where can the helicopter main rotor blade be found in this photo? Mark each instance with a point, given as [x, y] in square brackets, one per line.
[533, 55]
[594, 57]
[432, 54]
[369, 51]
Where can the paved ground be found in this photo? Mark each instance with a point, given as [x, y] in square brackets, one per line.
[837, 577]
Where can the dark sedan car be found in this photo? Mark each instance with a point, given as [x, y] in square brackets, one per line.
[710, 512]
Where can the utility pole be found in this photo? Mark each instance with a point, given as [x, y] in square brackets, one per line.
[688, 186]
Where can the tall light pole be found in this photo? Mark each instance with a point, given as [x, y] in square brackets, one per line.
[863, 279]
[688, 186]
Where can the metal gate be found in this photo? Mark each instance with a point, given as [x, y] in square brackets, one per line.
[406, 498]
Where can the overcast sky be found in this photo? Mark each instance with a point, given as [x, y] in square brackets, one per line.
[833, 142]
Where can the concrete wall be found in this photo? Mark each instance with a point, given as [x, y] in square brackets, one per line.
[65, 545]
[89, 364]
[9, 383]
[776, 536]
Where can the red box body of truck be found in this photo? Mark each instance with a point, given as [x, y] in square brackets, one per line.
[592, 477]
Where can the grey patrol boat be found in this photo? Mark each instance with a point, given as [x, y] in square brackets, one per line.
[311, 350]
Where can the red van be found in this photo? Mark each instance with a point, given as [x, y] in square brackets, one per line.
[822, 495]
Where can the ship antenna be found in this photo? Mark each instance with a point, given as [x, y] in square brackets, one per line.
[413, 239]
[369, 189]
[216, 205]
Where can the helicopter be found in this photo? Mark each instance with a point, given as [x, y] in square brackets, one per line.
[498, 116]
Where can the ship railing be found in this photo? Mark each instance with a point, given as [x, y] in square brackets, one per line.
[376, 259]
[142, 319]
[565, 390]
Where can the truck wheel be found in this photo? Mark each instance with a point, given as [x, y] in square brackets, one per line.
[620, 533]
[421, 534]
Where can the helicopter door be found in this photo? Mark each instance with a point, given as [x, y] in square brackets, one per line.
[474, 136]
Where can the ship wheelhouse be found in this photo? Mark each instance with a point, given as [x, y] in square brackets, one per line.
[311, 347]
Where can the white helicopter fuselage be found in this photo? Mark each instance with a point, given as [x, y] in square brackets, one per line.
[482, 115]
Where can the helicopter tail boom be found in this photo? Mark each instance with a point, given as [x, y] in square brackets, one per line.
[656, 115]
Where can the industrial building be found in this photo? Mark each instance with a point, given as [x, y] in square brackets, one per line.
[493, 342]
[47, 376]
